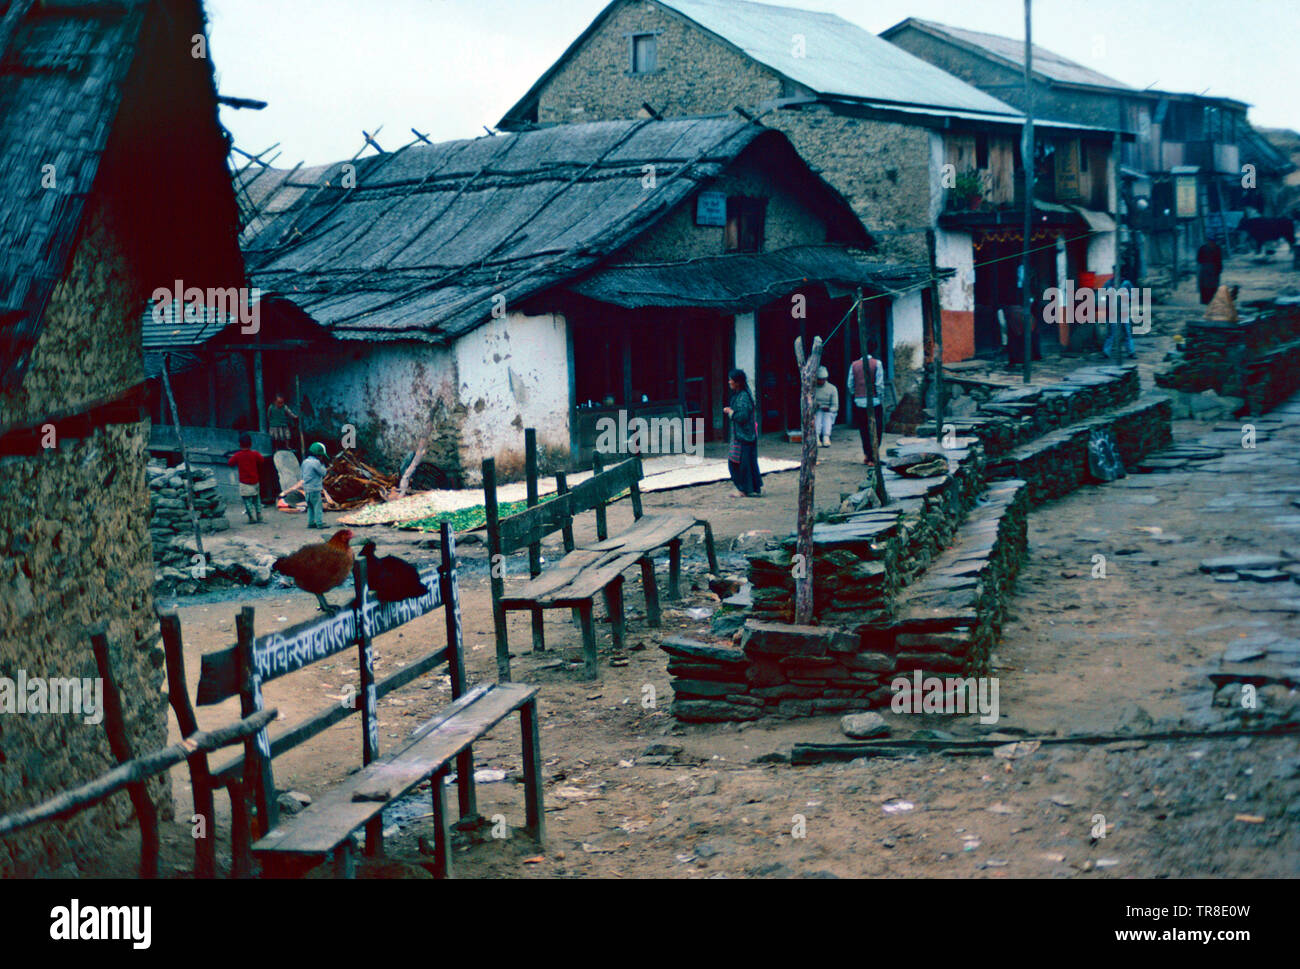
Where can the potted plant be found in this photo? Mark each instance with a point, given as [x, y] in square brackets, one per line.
[968, 190]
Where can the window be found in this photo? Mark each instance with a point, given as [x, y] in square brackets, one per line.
[1083, 156]
[981, 152]
[745, 217]
[645, 53]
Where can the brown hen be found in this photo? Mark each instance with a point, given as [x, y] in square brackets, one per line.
[319, 567]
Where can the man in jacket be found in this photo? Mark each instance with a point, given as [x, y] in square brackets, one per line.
[870, 374]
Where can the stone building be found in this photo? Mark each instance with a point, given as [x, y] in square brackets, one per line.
[1184, 156]
[467, 290]
[904, 142]
[112, 181]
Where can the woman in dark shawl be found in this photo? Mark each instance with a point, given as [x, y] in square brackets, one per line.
[742, 462]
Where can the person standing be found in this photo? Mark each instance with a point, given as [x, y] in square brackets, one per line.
[826, 404]
[870, 374]
[1120, 311]
[742, 462]
[1209, 266]
[277, 421]
[249, 463]
[313, 484]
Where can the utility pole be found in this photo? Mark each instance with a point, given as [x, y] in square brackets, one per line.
[1027, 153]
[1119, 260]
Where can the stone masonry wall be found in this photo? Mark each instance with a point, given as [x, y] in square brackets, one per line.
[74, 551]
[697, 74]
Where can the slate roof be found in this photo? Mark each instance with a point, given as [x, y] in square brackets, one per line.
[740, 282]
[428, 236]
[1011, 51]
[841, 59]
[79, 85]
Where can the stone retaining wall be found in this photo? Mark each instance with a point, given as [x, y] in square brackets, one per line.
[1057, 463]
[948, 624]
[1012, 417]
[1256, 359]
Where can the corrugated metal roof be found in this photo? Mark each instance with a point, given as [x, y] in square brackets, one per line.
[430, 236]
[740, 282]
[1047, 63]
[838, 58]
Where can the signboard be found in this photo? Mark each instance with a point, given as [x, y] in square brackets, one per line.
[1067, 171]
[711, 209]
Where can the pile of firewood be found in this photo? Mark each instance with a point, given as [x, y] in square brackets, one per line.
[352, 483]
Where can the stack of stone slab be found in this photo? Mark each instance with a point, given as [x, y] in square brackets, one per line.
[1057, 463]
[1011, 417]
[948, 624]
[169, 526]
[1256, 358]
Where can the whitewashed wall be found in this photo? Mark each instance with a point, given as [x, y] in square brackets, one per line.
[386, 390]
[953, 250]
[513, 373]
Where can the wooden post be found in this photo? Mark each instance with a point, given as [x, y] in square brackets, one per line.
[441, 829]
[496, 568]
[634, 491]
[185, 459]
[456, 663]
[534, 548]
[602, 529]
[803, 581]
[212, 390]
[367, 700]
[258, 779]
[562, 488]
[534, 810]
[241, 837]
[297, 392]
[115, 726]
[205, 856]
[258, 391]
[877, 472]
[936, 329]
[1027, 155]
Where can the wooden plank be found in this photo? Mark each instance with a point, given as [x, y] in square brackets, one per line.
[205, 857]
[331, 818]
[284, 651]
[589, 582]
[456, 663]
[322, 721]
[257, 748]
[533, 524]
[496, 568]
[79, 798]
[604, 486]
[648, 534]
[556, 577]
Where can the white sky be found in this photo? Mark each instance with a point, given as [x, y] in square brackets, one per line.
[330, 68]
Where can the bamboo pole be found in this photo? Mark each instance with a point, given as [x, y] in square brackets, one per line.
[78, 799]
[1027, 153]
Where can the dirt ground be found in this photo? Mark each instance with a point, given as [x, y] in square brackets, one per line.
[631, 793]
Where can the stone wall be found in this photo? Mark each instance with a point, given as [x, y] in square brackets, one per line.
[697, 74]
[74, 551]
[1057, 463]
[1256, 359]
[947, 626]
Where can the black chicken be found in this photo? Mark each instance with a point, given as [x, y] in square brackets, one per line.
[391, 579]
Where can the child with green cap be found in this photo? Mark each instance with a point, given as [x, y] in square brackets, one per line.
[313, 484]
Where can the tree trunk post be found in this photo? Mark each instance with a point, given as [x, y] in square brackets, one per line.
[803, 568]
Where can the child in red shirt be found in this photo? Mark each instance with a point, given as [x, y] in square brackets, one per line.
[247, 461]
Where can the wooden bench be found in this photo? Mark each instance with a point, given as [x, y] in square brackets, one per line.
[324, 829]
[587, 569]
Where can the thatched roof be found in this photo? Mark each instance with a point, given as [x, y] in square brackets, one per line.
[108, 94]
[427, 237]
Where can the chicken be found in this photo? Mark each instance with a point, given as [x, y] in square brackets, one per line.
[391, 579]
[319, 567]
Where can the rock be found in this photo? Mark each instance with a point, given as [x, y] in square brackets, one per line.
[1133, 719]
[755, 539]
[691, 649]
[788, 640]
[291, 802]
[1235, 563]
[864, 726]
[1264, 575]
